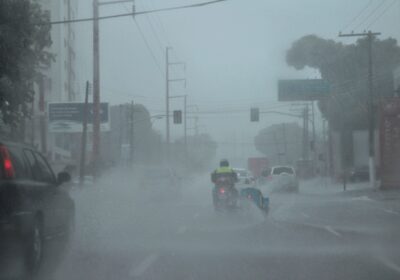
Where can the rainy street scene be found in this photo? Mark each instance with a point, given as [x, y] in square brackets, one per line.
[199, 139]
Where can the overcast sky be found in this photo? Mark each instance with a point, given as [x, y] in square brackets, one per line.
[234, 51]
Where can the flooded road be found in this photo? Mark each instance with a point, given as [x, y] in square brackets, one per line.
[320, 233]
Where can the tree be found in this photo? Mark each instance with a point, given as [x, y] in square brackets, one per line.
[24, 41]
[271, 142]
[346, 68]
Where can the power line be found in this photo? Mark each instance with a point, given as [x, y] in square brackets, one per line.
[198, 5]
[382, 13]
[357, 16]
[371, 13]
[149, 48]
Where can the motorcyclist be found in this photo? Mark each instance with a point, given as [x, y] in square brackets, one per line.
[224, 170]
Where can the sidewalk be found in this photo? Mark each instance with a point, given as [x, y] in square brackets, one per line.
[325, 186]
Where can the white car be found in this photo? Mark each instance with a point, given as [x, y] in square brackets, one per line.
[244, 176]
[283, 178]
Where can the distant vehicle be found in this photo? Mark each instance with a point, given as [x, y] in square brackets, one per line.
[283, 178]
[244, 176]
[33, 206]
[257, 165]
[359, 174]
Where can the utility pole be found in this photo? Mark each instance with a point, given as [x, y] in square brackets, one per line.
[96, 89]
[121, 130]
[42, 121]
[285, 142]
[96, 82]
[131, 134]
[314, 151]
[371, 129]
[84, 136]
[305, 133]
[167, 96]
[167, 99]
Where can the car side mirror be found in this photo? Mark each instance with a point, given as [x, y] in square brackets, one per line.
[63, 177]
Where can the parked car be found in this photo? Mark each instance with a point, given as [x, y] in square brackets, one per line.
[282, 178]
[359, 174]
[34, 207]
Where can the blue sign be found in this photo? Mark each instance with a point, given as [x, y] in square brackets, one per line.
[303, 90]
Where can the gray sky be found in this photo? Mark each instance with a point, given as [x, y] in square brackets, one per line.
[235, 52]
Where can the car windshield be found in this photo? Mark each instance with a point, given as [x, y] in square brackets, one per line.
[199, 139]
[283, 169]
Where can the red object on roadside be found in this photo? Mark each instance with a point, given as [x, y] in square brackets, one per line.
[257, 165]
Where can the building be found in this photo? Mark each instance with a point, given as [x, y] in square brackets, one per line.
[60, 82]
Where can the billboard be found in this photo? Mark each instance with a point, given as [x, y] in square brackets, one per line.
[68, 117]
[302, 90]
[389, 134]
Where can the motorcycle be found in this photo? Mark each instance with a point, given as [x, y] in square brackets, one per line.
[224, 195]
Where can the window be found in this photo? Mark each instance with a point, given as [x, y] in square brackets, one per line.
[45, 171]
[40, 169]
[18, 163]
[283, 169]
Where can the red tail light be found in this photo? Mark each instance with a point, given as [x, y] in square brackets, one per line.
[221, 190]
[7, 164]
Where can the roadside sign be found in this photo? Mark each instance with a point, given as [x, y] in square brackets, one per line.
[68, 117]
[302, 90]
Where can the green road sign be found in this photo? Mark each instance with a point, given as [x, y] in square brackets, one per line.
[302, 90]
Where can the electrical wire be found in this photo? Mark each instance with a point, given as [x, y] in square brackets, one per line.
[357, 16]
[149, 48]
[381, 14]
[380, 4]
[198, 5]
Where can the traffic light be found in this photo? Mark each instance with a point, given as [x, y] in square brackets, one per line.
[254, 114]
[177, 117]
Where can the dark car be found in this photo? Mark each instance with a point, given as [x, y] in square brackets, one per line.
[34, 208]
[359, 174]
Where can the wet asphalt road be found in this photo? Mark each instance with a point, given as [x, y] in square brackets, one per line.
[319, 233]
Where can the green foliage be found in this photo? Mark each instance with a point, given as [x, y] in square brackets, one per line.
[24, 39]
[346, 68]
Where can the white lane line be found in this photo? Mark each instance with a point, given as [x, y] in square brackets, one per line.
[182, 230]
[362, 198]
[327, 228]
[389, 263]
[305, 215]
[331, 230]
[391, 212]
[144, 265]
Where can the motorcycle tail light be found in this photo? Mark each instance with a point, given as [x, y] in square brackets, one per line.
[221, 190]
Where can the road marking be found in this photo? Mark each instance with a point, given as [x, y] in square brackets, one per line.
[331, 230]
[391, 212]
[389, 263]
[143, 266]
[182, 230]
[362, 198]
[327, 228]
[305, 215]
